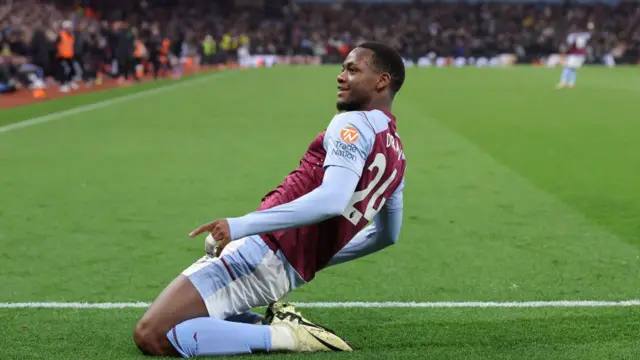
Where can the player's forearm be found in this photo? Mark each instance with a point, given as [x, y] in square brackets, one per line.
[384, 232]
[311, 208]
[364, 243]
[327, 201]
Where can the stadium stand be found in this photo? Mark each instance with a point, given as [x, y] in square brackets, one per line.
[125, 40]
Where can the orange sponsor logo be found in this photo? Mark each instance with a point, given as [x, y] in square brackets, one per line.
[349, 134]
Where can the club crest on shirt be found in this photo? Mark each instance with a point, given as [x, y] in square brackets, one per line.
[349, 134]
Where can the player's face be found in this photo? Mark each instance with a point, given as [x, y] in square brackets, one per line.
[357, 81]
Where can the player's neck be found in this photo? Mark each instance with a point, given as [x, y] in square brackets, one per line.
[383, 106]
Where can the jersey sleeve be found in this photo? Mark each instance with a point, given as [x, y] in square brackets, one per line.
[384, 231]
[395, 201]
[326, 201]
[348, 141]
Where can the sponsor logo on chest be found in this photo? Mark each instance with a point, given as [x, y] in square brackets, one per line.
[347, 151]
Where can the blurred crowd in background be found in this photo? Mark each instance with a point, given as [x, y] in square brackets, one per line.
[81, 42]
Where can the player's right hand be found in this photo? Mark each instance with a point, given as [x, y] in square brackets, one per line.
[219, 229]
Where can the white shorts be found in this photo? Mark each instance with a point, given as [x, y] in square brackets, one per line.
[575, 61]
[246, 275]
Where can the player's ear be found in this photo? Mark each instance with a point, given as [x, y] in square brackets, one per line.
[383, 81]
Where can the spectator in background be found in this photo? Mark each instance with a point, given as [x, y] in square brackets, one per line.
[155, 49]
[7, 78]
[124, 52]
[65, 44]
[139, 53]
[16, 72]
[42, 49]
[92, 58]
[209, 48]
[79, 50]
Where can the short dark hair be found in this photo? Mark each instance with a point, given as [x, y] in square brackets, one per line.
[386, 59]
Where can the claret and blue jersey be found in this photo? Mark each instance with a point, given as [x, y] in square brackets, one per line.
[350, 175]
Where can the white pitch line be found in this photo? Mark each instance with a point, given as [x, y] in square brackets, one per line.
[108, 102]
[472, 304]
[356, 304]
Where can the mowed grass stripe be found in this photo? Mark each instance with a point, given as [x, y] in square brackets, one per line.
[111, 102]
[375, 333]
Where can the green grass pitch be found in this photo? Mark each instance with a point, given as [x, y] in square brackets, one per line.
[515, 192]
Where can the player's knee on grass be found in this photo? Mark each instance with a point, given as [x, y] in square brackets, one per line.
[151, 341]
[179, 302]
[142, 337]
